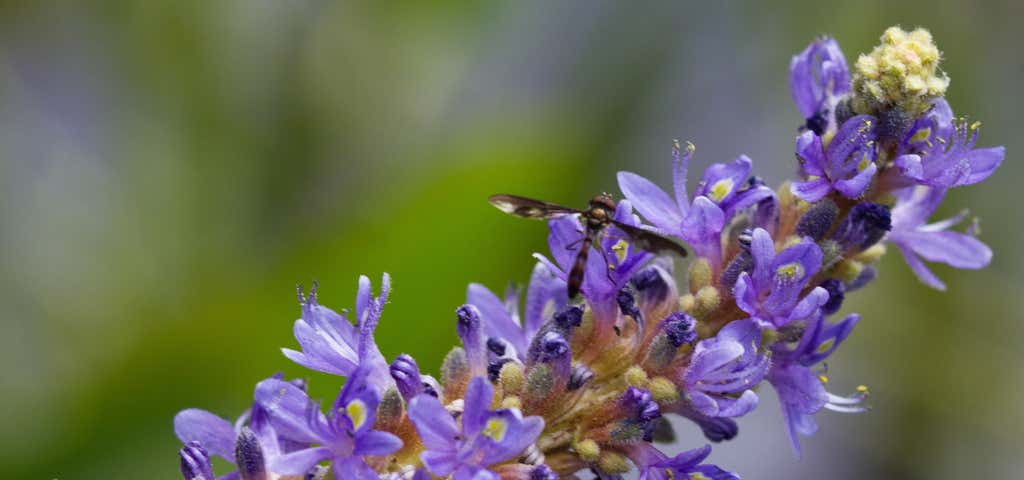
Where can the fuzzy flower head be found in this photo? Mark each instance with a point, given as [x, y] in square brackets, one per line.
[903, 71]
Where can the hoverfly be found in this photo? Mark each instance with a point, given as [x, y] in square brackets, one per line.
[594, 220]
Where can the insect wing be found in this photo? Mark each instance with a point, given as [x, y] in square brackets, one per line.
[649, 241]
[529, 208]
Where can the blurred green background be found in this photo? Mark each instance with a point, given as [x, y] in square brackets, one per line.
[170, 170]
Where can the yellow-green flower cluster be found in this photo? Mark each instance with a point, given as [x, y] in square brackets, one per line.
[901, 72]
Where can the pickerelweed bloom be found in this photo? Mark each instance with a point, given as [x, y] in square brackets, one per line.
[560, 385]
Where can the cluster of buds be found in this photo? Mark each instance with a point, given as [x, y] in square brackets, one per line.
[553, 386]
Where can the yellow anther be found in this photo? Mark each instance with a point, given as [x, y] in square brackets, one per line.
[621, 249]
[862, 389]
[974, 126]
[823, 378]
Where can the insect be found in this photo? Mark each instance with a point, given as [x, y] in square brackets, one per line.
[594, 219]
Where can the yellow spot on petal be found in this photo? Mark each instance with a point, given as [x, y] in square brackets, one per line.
[921, 135]
[698, 476]
[790, 270]
[721, 188]
[356, 411]
[495, 429]
[827, 344]
[865, 162]
[621, 249]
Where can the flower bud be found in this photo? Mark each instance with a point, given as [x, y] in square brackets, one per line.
[407, 376]
[700, 274]
[195, 462]
[249, 456]
[818, 220]
[470, 331]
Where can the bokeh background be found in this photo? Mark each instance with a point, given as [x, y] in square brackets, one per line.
[170, 170]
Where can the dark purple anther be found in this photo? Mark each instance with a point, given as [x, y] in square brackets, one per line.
[679, 329]
[836, 293]
[496, 346]
[627, 304]
[864, 226]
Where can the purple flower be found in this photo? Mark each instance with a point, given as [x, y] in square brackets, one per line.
[331, 344]
[545, 295]
[344, 437]
[723, 369]
[655, 465]
[602, 279]
[933, 242]
[846, 165]
[250, 447]
[939, 152]
[771, 291]
[486, 437]
[818, 77]
[722, 192]
[802, 391]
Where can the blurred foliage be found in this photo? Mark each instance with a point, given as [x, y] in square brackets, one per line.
[170, 170]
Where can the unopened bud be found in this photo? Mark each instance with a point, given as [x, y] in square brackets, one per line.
[707, 300]
[612, 463]
[663, 391]
[511, 377]
[700, 274]
[587, 449]
[636, 377]
[249, 456]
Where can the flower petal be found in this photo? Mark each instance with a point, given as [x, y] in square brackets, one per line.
[215, 434]
[435, 425]
[299, 462]
[377, 443]
[652, 202]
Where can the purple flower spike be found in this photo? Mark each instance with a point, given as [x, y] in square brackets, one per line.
[655, 465]
[724, 368]
[933, 242]
[486, 436]
[818, 77]
[846, 166]
[344, 437]
[802, 391]
[195, 462]
[939, 152]
[331, 344]
[771, 292]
